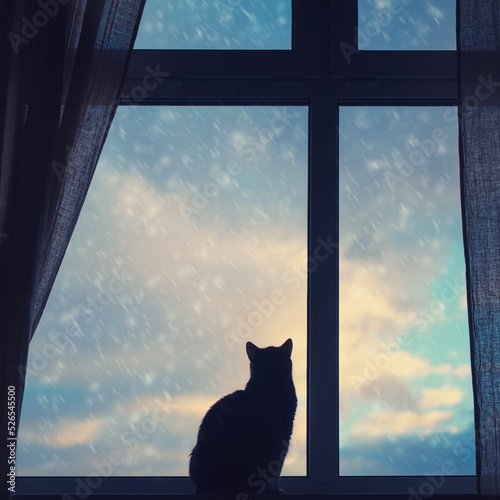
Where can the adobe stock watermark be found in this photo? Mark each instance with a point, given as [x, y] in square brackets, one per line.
[391, 350]
[484, 89]
[406, 165]
[60, 343]
[246, 154]
[265, 479]
[434, 481]
[147, 426]
[48, 9]
[467, 447]
[372, 28]
[103, 469]
[464, 449]
[292, 279]
[152, 78]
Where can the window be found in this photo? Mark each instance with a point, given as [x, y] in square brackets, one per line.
[317, 98]
[193, 240]
[204, 25]
[291, 50]
[405, 382]
[406, 25]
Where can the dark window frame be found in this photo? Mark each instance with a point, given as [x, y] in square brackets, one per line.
[315, 73]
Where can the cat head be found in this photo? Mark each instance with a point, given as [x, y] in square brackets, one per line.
[270, 363]
[253, 351]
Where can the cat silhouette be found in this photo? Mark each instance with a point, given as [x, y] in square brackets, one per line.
[243, 438]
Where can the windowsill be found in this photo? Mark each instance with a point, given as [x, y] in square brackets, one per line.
[344, 496]
[374, 488]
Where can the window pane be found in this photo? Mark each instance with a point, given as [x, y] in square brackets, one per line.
[221, 24]
[194, 218]
[405, 382]
[406, 25]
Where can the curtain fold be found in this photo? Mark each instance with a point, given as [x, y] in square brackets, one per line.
[63, 65]
[478, 47]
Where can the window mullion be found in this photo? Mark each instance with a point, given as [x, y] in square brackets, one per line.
[323, 278]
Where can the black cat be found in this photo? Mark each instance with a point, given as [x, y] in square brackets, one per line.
[243, 438]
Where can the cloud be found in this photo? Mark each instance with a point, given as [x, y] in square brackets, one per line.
[413, 455]
[407, 412]
[165, 331]
[63, 434]
[203, 287]
[386, 378]
[77, 432]
[133, 343]
[391, 390]
[464, 371]
[442, 396]
[153, 435]
[402, 423]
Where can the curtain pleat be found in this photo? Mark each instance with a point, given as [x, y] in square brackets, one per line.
[478, 47]
[63, 65]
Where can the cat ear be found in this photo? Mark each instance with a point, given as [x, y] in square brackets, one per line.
[287, 347]
[251, 350]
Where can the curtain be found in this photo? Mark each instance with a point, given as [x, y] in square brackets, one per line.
[63, 65]
[478, 40]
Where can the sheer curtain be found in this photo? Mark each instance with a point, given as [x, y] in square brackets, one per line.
[478, 30]
[63, 64]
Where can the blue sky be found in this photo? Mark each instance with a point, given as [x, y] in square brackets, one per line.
[404, 352]
[194, 218]
[216, 24]
[192, 240]
[406, 24]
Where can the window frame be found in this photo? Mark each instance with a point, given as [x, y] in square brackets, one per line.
[347, 60]
[314, 73]
[303, 57]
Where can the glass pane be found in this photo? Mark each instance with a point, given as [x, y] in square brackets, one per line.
[195, 220]
[220, 24]
[405, 382]
[406, 25]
